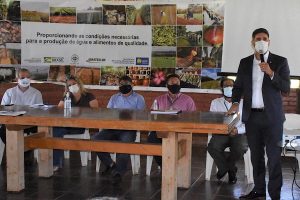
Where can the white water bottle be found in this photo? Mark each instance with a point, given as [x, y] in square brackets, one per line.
[155, 105]
[67, 102]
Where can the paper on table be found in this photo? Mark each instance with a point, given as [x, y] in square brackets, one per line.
[167, 112]
[12, 113]
[42, 106]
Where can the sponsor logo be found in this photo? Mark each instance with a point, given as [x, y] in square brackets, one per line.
[33, 60]
[53, 59]
[142, 61]
[74, 58]
[95, 60]
[47, 59]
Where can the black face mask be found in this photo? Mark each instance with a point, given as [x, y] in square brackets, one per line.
[174, 89]
[124, 89]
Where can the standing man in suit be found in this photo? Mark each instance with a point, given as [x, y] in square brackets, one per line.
[261, 79]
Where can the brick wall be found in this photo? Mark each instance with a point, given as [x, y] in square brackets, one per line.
[52, 93]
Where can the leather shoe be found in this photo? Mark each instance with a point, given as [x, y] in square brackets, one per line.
[232, 176]
[220, 175]
[116, 179]
[108, 169]
[254, 195]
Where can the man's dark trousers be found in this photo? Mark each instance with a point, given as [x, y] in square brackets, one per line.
[261, 134]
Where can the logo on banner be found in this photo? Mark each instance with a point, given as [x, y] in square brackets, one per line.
[74, 58]
[53, 59]
[95, 60]
[142, 61]
[33, 60]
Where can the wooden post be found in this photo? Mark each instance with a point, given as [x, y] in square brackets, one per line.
[45, 158]
[15, 160]
[169, 167]
[184, 160]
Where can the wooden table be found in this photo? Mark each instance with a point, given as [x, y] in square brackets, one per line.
[175, 148]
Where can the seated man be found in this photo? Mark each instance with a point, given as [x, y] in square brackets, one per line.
[236, 140]
[125, 99]
[22, 94]
[172, 100]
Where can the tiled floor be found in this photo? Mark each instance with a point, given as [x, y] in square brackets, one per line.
[76, 182]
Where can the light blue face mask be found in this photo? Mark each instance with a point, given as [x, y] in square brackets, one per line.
[227, 91]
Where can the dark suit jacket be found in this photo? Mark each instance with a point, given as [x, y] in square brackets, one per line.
[271, 89]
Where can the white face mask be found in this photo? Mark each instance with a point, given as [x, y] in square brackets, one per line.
[74, 88]
[25, 82]
[227, 91]
[261, 46]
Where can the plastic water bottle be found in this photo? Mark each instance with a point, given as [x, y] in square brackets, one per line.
[155, 105]
[67, 101]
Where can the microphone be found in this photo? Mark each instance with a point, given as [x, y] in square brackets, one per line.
[262, 59]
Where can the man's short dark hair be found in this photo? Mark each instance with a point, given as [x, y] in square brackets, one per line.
[172, 76]
[225, 79]
[259, 30]
[23, 70]
[125, 78]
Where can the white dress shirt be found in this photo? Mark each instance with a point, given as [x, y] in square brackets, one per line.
[18, 97]
[221, 105]
[257, 81]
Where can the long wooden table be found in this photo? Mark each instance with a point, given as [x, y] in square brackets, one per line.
[175, 148]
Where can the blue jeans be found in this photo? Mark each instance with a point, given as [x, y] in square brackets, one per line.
[59, 132]
[119, 135]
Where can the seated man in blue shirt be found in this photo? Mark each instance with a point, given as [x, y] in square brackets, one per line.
[125, 99]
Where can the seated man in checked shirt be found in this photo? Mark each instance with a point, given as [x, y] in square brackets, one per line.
[172, 100]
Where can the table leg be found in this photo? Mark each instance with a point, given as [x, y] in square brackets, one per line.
[184, 160]
[169, 167]
[15, 160]
[45, 156]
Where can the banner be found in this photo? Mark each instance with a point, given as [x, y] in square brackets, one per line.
[99, 41]
[85, 45]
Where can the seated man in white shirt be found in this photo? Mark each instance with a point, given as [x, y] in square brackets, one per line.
[22, 94]
[236, 140]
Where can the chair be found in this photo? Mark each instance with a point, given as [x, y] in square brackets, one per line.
[247, 161]
[291, 129]
[149, 165]
[84, 156]
[135, 159]
[2, 147]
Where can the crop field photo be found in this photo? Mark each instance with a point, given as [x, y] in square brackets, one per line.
[189, 14]
[138, 14]
[163, 57]
[35, 11]
[66, 15]
[163, 14]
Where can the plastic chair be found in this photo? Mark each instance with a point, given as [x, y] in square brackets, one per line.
[84, 156]
[247, 161]
[2, 147]
[135, 159]
[149, 165]
[291, 130]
